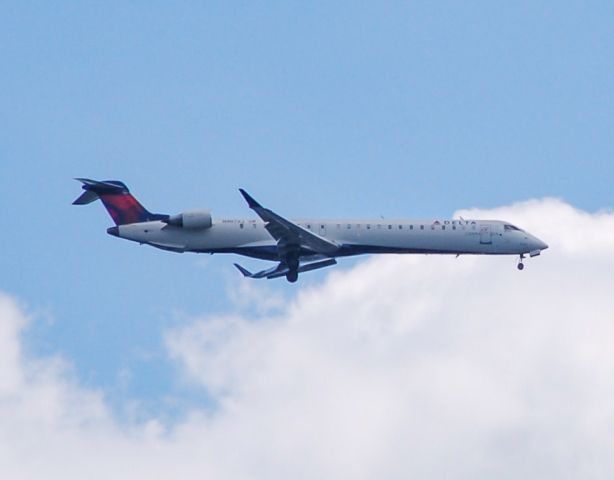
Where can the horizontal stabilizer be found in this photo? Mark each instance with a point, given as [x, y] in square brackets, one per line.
[103, 187]
[95, 189]
[86, 197]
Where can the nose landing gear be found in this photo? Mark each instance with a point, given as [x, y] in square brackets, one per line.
[520, 264]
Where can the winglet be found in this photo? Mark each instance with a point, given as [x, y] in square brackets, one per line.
[245, 272]
[249, 199]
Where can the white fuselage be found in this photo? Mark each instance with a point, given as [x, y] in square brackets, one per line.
[355, 237]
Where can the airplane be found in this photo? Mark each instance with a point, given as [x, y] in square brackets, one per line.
[303, 245]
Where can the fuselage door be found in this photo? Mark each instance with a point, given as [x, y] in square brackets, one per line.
[485, 234]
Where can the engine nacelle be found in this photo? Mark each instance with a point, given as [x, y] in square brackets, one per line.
[193, 220]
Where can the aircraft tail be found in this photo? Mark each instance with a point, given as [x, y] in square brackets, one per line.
[117, 199]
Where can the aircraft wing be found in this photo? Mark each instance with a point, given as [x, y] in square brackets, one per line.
[282, 269]
[284, 230]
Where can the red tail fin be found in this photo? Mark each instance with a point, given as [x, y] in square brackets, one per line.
[118, 201]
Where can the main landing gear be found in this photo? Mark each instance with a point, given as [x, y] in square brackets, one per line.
[520, 264]
[292, 275]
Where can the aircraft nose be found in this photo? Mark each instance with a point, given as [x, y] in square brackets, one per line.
[540, 245]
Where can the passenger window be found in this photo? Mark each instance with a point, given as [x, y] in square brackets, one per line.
[453, 227]
[368, 227]
[411, 227]
[240, 225]
[389, 227]
[400, 227]
[421, 227]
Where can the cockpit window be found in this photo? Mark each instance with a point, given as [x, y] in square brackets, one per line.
[509, 228]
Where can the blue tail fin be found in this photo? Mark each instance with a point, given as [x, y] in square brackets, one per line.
[118, 201]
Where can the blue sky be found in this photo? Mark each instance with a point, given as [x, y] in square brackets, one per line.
[404, 109]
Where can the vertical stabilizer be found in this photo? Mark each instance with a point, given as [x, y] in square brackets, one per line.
[117, 199]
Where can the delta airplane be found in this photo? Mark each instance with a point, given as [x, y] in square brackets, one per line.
[302, 245]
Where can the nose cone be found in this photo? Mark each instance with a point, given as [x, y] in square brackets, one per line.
[113, 231]
[538, 244]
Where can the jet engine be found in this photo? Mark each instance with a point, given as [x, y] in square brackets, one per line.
[192, 220]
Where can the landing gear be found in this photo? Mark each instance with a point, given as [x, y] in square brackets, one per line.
[520, 264]
[292, 275]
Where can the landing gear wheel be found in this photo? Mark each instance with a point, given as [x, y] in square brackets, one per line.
[520, 264]
[293, 264]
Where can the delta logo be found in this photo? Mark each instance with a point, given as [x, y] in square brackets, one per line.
[454, 222]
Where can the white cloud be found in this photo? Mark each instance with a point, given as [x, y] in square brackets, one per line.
[428, 367]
